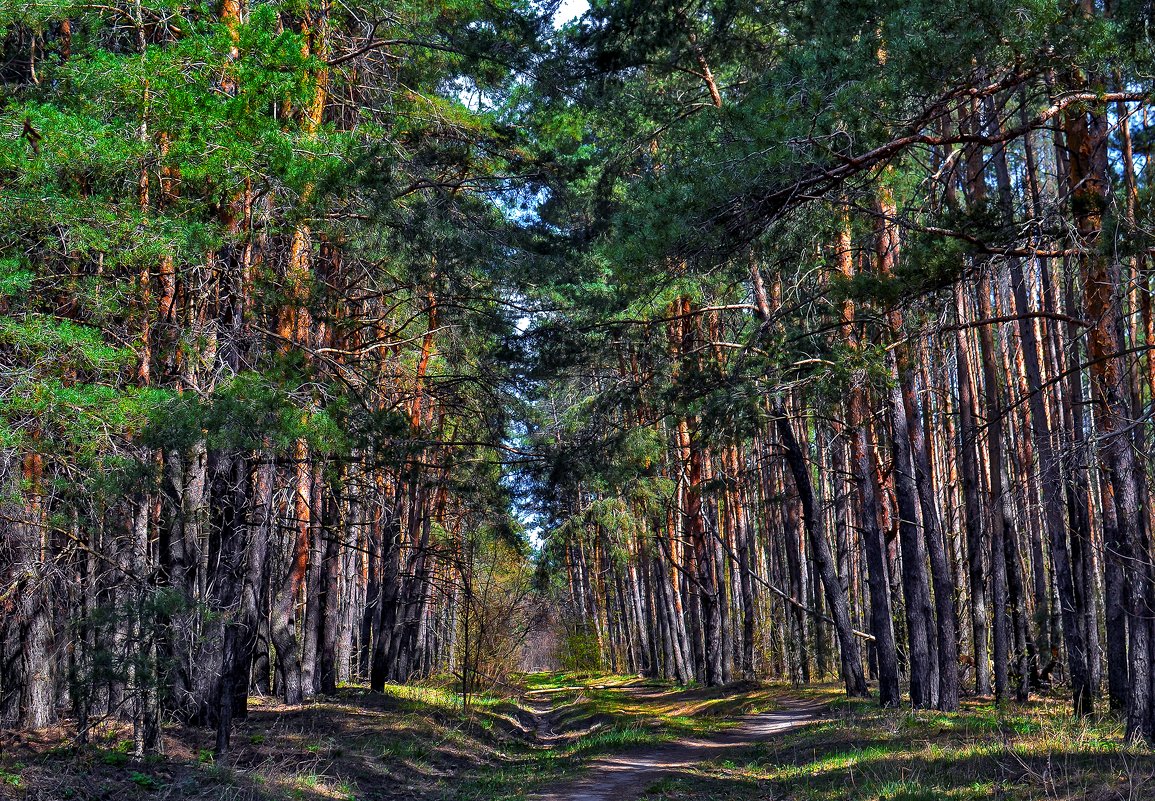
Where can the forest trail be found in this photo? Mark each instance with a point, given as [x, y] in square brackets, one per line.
[625, 776]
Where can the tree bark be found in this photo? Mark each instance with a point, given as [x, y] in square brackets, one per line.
[973, 513]
[1111, 394]
[836, 599]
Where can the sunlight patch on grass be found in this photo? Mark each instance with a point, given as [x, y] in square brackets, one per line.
[1033, 751]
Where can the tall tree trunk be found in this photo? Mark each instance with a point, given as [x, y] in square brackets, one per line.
[1111, 394]
[878, 579]
[863, 471]
[285, 623]
[946, 616]
[836, 599]
[330, 598]
[1006, 578]
[973, 513]
[1050, 476]
[923, 651]
[38, 661]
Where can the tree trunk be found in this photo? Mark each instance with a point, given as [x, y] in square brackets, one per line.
[284, 623]
[330, 599]
[878, 579]
[38, 660]
[851, 661]
[1111, 394]
[1050, 477]
[973, 514]
[946, 616]
[923, 652]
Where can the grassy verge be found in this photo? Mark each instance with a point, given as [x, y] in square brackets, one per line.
[408, 742]
[1034, 751]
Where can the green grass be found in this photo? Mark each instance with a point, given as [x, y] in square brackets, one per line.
[599, 715]
[416, 741]
[1034, 751]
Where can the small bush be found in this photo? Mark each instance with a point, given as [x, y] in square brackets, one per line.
[115, 758]
[144, 781]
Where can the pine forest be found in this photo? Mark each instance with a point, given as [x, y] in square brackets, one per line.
[452, 396]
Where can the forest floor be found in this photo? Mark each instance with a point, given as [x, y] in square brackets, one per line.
[569, 738]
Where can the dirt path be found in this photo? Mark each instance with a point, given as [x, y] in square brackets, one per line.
[622, 777]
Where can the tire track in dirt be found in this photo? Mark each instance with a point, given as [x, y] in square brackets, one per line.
[625, 776]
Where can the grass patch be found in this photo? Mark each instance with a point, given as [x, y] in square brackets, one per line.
[1033, 751]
